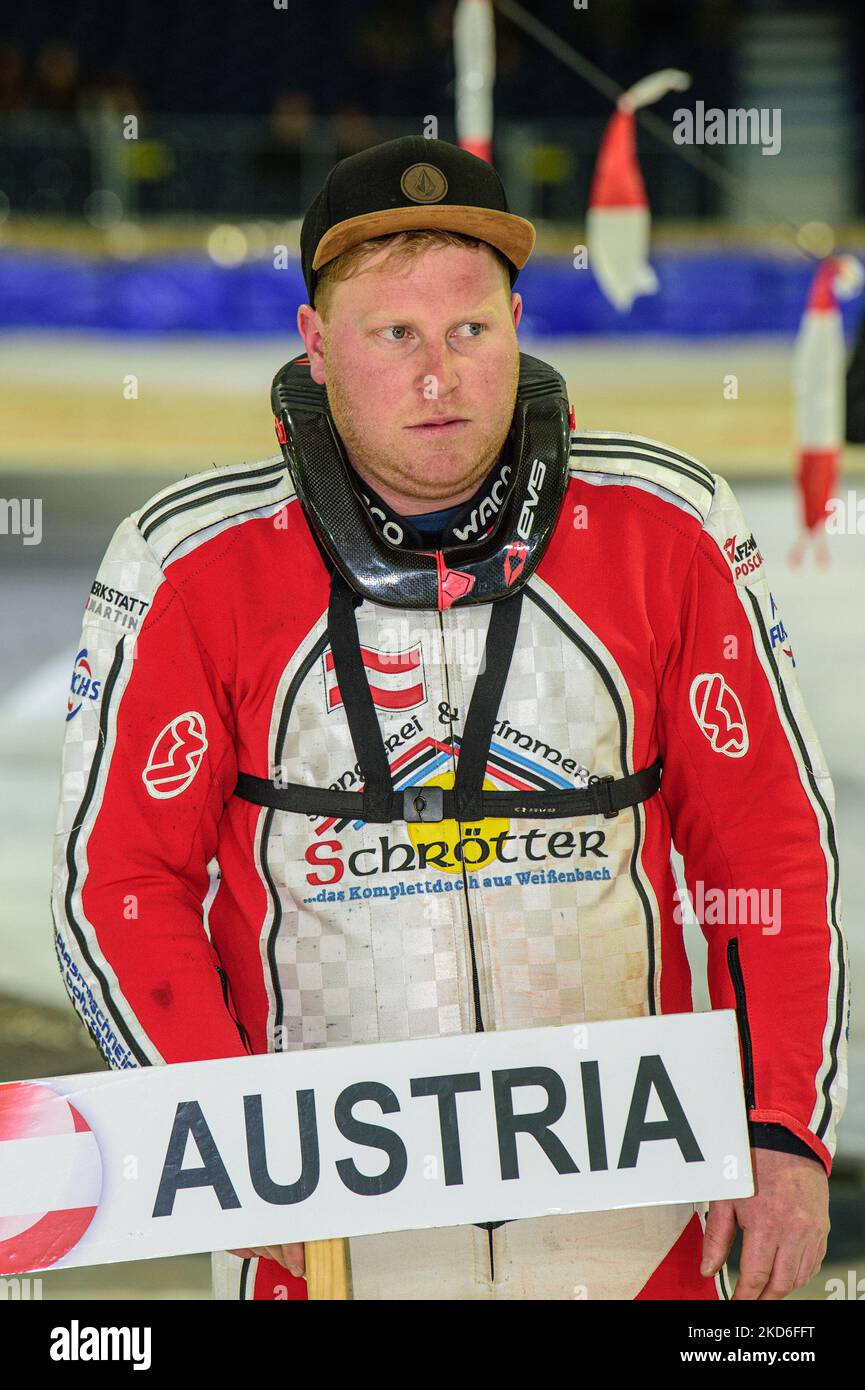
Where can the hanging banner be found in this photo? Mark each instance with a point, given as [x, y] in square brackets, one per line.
[348, 1141]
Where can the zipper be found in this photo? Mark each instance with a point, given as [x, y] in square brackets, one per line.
[244, 1036]
[734, 965]
[476, 983]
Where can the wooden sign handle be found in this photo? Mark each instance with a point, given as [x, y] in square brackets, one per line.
[328, 1273]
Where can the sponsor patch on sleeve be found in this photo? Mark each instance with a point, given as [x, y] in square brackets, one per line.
[745, 558]
[116, 607]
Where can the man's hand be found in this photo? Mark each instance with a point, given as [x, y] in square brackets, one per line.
[785, 1226]
[291, 1257]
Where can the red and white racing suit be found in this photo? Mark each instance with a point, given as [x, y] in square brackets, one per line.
[647, 631]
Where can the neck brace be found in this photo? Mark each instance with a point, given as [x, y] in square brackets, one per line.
[471, 520]
[490, 548]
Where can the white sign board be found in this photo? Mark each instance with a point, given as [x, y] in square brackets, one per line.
[347, 1141]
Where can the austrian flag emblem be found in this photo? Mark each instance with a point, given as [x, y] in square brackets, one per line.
[396, 678]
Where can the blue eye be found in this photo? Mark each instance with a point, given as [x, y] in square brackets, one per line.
[400, 328]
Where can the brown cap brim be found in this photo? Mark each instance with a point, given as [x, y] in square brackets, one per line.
[512, 235]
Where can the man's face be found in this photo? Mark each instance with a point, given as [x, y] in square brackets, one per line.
[402, 352]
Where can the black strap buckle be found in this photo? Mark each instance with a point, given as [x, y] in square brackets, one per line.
[423, 803]
[604, 793]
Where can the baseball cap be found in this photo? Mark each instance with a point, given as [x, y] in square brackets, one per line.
[405, 184]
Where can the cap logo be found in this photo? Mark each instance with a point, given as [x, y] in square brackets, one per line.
[424, 183]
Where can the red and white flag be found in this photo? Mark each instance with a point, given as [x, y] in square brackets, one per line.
[50, 1176]
[618, 223]
[396, 678]
[819, 365]
[475, 69]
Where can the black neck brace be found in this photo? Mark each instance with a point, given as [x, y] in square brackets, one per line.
[472, 520]
[476, 567]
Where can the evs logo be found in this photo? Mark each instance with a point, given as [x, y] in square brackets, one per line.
[527, 512]
[83, 686]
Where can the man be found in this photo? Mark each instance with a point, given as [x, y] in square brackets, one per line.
[450, 589]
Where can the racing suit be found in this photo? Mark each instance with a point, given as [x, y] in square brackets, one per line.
[647, 632]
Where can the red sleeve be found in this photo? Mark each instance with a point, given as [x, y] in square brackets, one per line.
[752, 809]
[148, 764]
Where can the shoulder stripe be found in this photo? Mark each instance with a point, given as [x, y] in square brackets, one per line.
[660, 463]
[189, 507]
[601, 439]
[187, 540]
[207, 485]
[187, 513]
[595, 477]
[642, 462]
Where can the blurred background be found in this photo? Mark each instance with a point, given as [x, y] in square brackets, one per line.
[154, 170]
